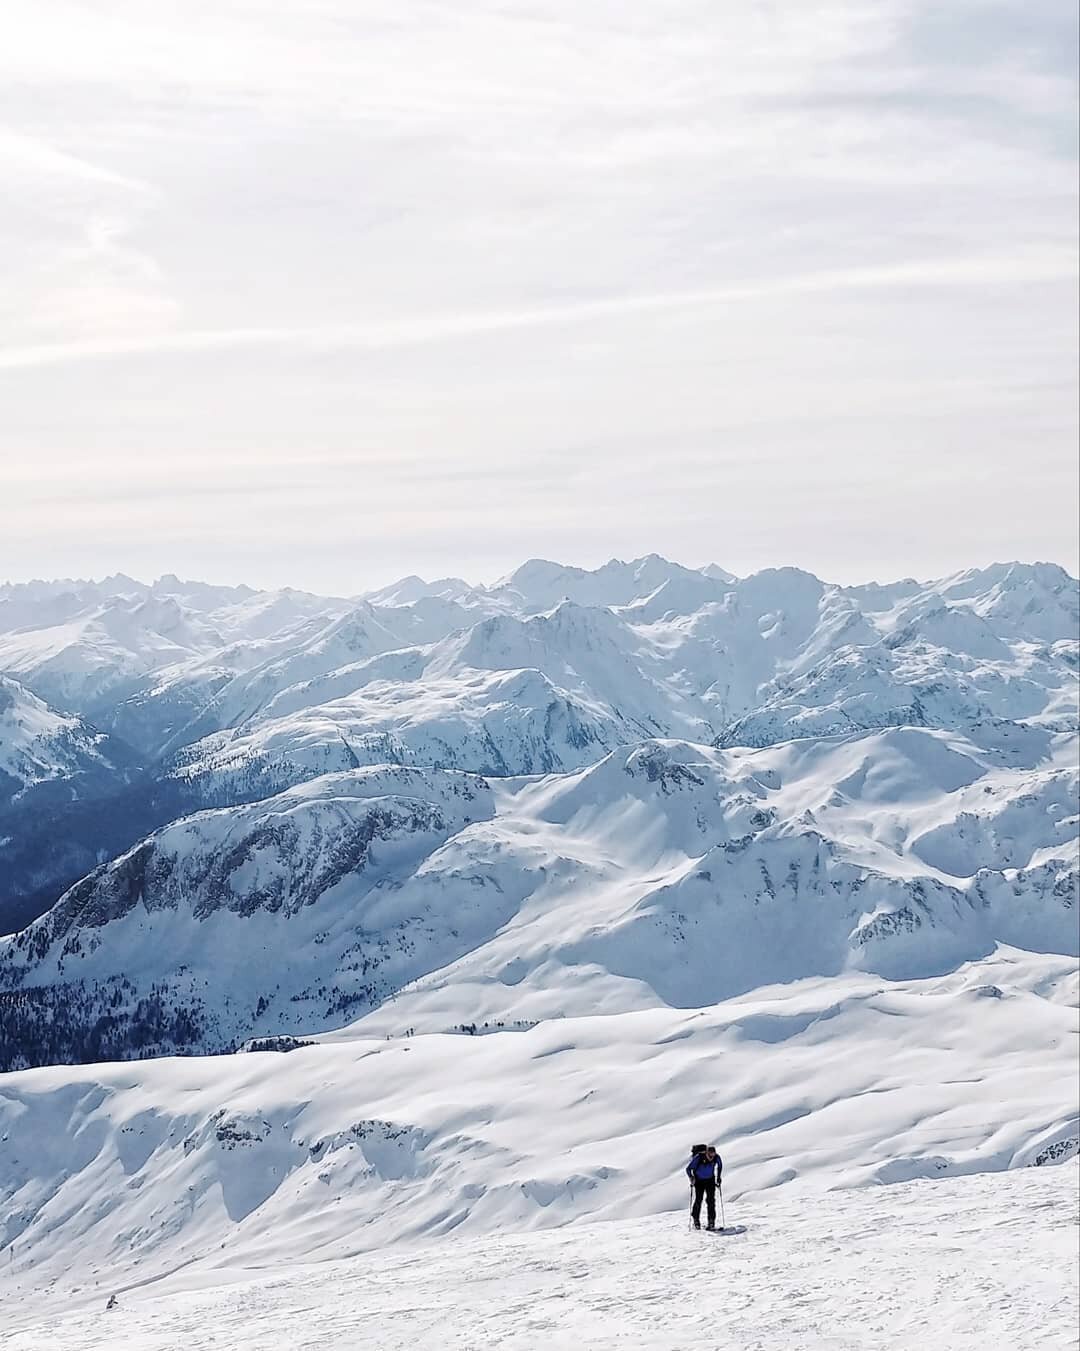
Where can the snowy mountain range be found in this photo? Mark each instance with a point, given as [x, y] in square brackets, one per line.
[669, 874]
[573, 768]
[530, 882]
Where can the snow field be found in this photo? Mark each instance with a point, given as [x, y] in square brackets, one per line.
[125, 1173]
[982, 1263]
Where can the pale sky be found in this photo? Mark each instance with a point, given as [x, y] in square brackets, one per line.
[321, 292]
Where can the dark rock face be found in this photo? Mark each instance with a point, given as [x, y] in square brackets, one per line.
[63, 997]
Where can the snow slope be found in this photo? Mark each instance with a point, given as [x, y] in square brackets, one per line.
[39, 745]
[209, 1165]
[961, 1265]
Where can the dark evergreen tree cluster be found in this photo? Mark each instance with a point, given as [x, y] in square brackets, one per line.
[80, 1023]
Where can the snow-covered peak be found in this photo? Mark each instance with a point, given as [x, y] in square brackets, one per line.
[718, 574]
[541, 585]
[411, 590]
[402, 592]
[201, 595]
[568, 632]
[338, 835]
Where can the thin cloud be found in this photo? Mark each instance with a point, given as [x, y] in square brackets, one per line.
[1001, 271]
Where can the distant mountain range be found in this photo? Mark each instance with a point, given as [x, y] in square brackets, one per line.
[227, 813]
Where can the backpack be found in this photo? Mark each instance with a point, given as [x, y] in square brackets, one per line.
[695, 1150]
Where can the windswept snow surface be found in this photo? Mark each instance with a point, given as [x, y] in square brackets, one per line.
[966, 1264]
[117, 1176]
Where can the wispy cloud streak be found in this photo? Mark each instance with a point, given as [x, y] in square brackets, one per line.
[992, 271]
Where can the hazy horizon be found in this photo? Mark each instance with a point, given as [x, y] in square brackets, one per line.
[491, 581]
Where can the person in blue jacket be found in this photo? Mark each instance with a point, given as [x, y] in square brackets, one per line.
[704, 1170]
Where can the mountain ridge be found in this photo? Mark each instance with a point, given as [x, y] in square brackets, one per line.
[790, 718]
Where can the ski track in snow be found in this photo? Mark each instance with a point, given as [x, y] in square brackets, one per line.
[981, 1262]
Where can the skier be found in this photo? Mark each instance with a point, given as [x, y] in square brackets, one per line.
[704, 1170]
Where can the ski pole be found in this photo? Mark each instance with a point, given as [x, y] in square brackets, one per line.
[690, 1212]
[723, 1222]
